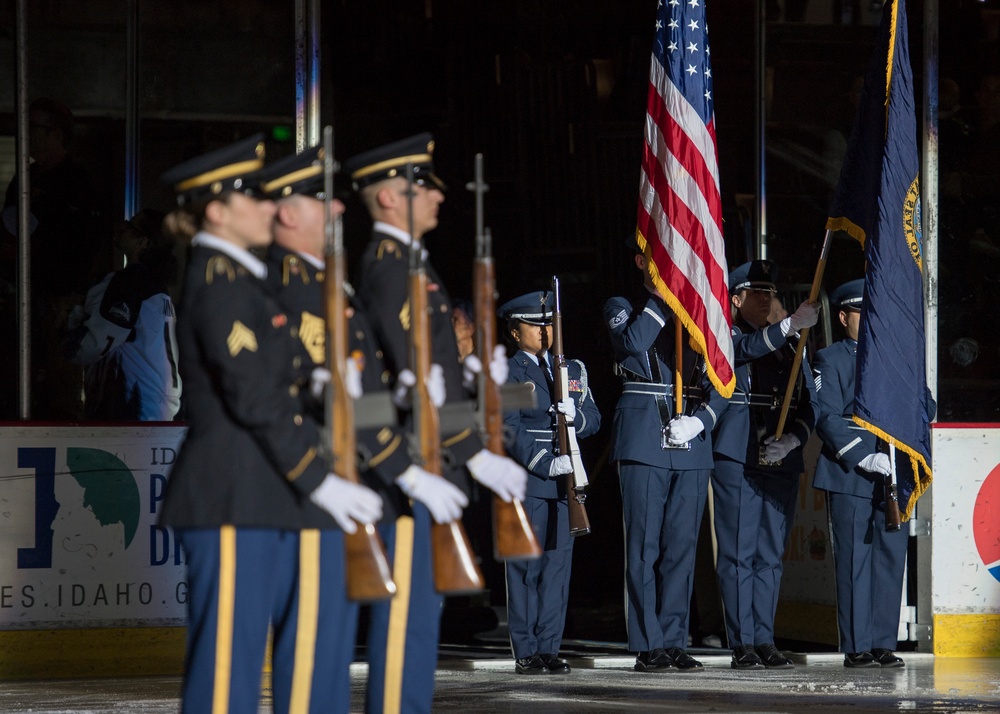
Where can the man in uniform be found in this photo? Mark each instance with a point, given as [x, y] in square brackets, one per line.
[851, 469]
[296, 274]
[756, 478]
[664, 461]
[405, 680]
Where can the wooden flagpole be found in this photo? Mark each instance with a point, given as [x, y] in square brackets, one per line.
[803, 335]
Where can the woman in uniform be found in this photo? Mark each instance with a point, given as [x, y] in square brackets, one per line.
[248, 478]
[538, 590]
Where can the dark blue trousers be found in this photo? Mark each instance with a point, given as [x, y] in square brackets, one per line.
[662, 514]
[753, 521]
[404, 631]
[239, 581]
[538, 590]
[869, 564]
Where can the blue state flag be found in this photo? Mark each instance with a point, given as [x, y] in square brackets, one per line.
[878, 202]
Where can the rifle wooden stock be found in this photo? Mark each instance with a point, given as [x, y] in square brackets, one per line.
[513, 536]
[893, 518]
[579, 521]
[455, 567]
[369, 576]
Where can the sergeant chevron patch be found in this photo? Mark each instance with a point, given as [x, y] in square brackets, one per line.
[618, 319]
[241, 337]
[312, 332]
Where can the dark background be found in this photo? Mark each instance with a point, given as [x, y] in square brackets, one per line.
[553, 94]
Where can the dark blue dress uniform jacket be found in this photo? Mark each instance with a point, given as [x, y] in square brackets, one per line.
[845, 443]
[383, 288]
[768, 377]
[637, 332]
[250, 455]
[384, 291]
[730, 437]
[299, 287]
[531, 434]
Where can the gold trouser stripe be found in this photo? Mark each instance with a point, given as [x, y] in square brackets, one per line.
[399, 611]
[224, 620]
[305, 629]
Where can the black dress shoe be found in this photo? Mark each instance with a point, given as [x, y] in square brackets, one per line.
[530, 665]
[683, 661]
[744, 657]
[554, 664]
[656, 660]
[887, 658]
[772, 658]
[860, 660]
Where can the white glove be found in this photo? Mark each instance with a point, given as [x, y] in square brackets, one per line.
[320, 377]
[401, 394]
[567, 406]
[777, 449]
[500, 474]
[560, 466]
[876, 464]
[347, 502]
[806, 315]
[499, 369]
[443, 499]
[435, 385]
[682, 429]
[471, 367]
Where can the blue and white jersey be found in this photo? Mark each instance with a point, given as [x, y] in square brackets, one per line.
[128, 342]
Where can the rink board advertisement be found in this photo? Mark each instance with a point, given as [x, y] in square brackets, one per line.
[79, 540]
[966, 539]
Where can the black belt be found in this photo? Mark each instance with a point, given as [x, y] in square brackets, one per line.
[772, 401]
[658, 389]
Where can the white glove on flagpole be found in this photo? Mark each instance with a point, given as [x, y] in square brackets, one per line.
[806, 315]
[777, 449]
[442, 498]
[504, 476]
[876, 464]
[347, 502]
[684, 428]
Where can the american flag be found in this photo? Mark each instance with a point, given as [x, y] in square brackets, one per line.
[679, 226]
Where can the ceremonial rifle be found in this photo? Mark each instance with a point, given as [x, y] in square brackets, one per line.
[576, 480]
[369, 576]
[513, 536]
[893, 519]
[455, 567]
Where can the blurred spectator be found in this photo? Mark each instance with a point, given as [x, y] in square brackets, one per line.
[464, 322]
[67, 252]
[125, 331]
